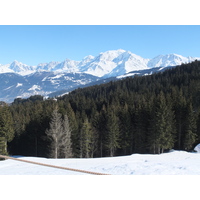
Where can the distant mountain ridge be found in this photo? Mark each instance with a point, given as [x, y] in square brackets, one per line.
[107, 64]
[13, 85]
[18, 80]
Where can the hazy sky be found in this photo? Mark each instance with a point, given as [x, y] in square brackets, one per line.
[33, 44]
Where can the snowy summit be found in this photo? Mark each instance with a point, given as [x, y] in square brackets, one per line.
[107, 64]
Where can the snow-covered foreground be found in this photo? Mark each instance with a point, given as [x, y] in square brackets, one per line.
[172, 163]
[44, 186]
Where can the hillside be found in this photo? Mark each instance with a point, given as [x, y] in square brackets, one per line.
[150, 114]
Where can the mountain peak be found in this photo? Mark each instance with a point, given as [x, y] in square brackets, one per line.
[108, 63]
[15, 62]
[89, 57]
[169, 60]
[114, 51]
[23, 69]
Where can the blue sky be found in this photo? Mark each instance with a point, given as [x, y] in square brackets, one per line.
[37, 44]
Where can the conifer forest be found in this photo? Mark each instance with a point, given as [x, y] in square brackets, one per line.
[140, 114]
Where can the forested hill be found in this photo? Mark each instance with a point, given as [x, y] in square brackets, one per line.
[148, 114]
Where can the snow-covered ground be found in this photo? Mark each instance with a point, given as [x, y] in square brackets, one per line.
[45, 186]
[172, 163]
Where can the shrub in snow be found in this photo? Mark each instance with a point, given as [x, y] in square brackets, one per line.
[197, 148]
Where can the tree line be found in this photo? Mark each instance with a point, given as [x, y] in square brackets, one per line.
[149, 114]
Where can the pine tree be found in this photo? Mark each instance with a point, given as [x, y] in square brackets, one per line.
[190, 129]
[180, 114]
[88, 140]
[112, 134]
[125, 130]
[140, 126]
[75, 132]
[55, 133]
[66, 144]
[162, 137]
[6, 129]
[99, 123]
[60, 135]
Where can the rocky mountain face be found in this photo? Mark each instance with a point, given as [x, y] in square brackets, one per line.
[40, 83]
[18, 80]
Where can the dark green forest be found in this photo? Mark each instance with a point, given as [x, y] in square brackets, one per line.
[149, 114]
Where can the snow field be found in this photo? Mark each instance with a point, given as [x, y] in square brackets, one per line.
[172, 163]
[120, 186]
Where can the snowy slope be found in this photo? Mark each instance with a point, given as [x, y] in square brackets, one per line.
[113, 63]
[102, 64]
[21, 68]
[173, 163]
[169, 60]
[13, 85]
[127, 62]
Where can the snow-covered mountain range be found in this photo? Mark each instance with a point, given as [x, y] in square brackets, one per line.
[21, 80]
[107, 64]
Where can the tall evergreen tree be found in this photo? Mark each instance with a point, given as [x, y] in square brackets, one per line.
[66, 144]
[6, 129]
[75, 136]
[125, 130]
[112, 134]
[190, 129]
[179, 105]
[55, 133]
[60, 135]
[99, 123]
[87, 140]
[163, 128]
[140, 126]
